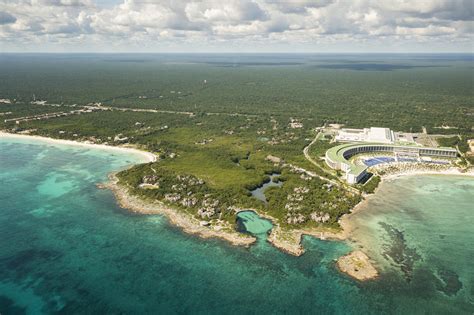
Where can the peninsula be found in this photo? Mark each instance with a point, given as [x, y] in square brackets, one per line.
[302, 160]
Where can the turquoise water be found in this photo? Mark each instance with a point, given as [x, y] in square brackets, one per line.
[66, 247]
[423, 226]
[254, 224]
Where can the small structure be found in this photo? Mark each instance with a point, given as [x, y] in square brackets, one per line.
[295, 124]
[119, 138]
[273, 159]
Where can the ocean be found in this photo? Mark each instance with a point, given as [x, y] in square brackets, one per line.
[67, 247]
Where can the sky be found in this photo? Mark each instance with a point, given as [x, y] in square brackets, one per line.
[317, 26]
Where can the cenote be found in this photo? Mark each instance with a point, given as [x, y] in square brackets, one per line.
[66, 247]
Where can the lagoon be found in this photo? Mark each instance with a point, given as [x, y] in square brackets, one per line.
[259, 192]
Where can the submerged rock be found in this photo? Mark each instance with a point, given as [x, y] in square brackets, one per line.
[398, 251]
[449, 282]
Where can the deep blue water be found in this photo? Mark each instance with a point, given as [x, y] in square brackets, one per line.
[66, 247]
[332, 61]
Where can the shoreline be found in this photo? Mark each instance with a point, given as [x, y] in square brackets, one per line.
[148, 156]
[344, 220]
[448, 172]
[133, 204]
[186, 222]
[356, 264]
[291, 241]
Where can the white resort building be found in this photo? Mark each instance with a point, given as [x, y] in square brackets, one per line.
[372, 134]
[338, 157]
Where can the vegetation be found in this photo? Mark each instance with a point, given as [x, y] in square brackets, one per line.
[298, 202]
[463, 146]
[422, 94]
[459, 142]
[220, 128]
[371, 184]
[309, 202]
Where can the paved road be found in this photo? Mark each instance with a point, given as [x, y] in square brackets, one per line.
[312, 161]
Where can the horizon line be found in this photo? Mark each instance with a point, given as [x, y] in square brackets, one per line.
[236, 52]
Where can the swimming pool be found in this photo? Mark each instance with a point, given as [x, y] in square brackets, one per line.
[385, 159]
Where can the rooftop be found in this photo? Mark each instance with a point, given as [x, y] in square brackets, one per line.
[380, 134]
[336, 153]
[372, 134]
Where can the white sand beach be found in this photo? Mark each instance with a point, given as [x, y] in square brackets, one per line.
[148, 156]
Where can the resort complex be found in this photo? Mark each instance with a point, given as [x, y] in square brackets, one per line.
[372, 134]
[236, 157]
[339, 157]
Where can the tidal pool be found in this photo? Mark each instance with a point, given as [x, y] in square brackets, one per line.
[251, 222]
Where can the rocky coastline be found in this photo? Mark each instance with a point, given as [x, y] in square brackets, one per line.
[356, 264]
[186, 222]
[286, 241]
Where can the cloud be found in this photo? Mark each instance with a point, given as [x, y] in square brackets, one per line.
[444, 9]
[61, 3]
[230, 23]
[431, 30]
[6, 18]
[226, 12]
[299, 6]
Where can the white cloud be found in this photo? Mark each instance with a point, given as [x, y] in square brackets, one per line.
[431, 30]
[231, 11]
[198, 24]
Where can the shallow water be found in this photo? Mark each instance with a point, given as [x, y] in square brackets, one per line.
[67, 247]
[423, 226]
[252, 223]
[259, 192]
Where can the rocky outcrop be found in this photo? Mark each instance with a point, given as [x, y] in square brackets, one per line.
[357, 265]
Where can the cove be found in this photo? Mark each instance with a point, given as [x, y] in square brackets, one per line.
[66, 247]
[251, 222]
